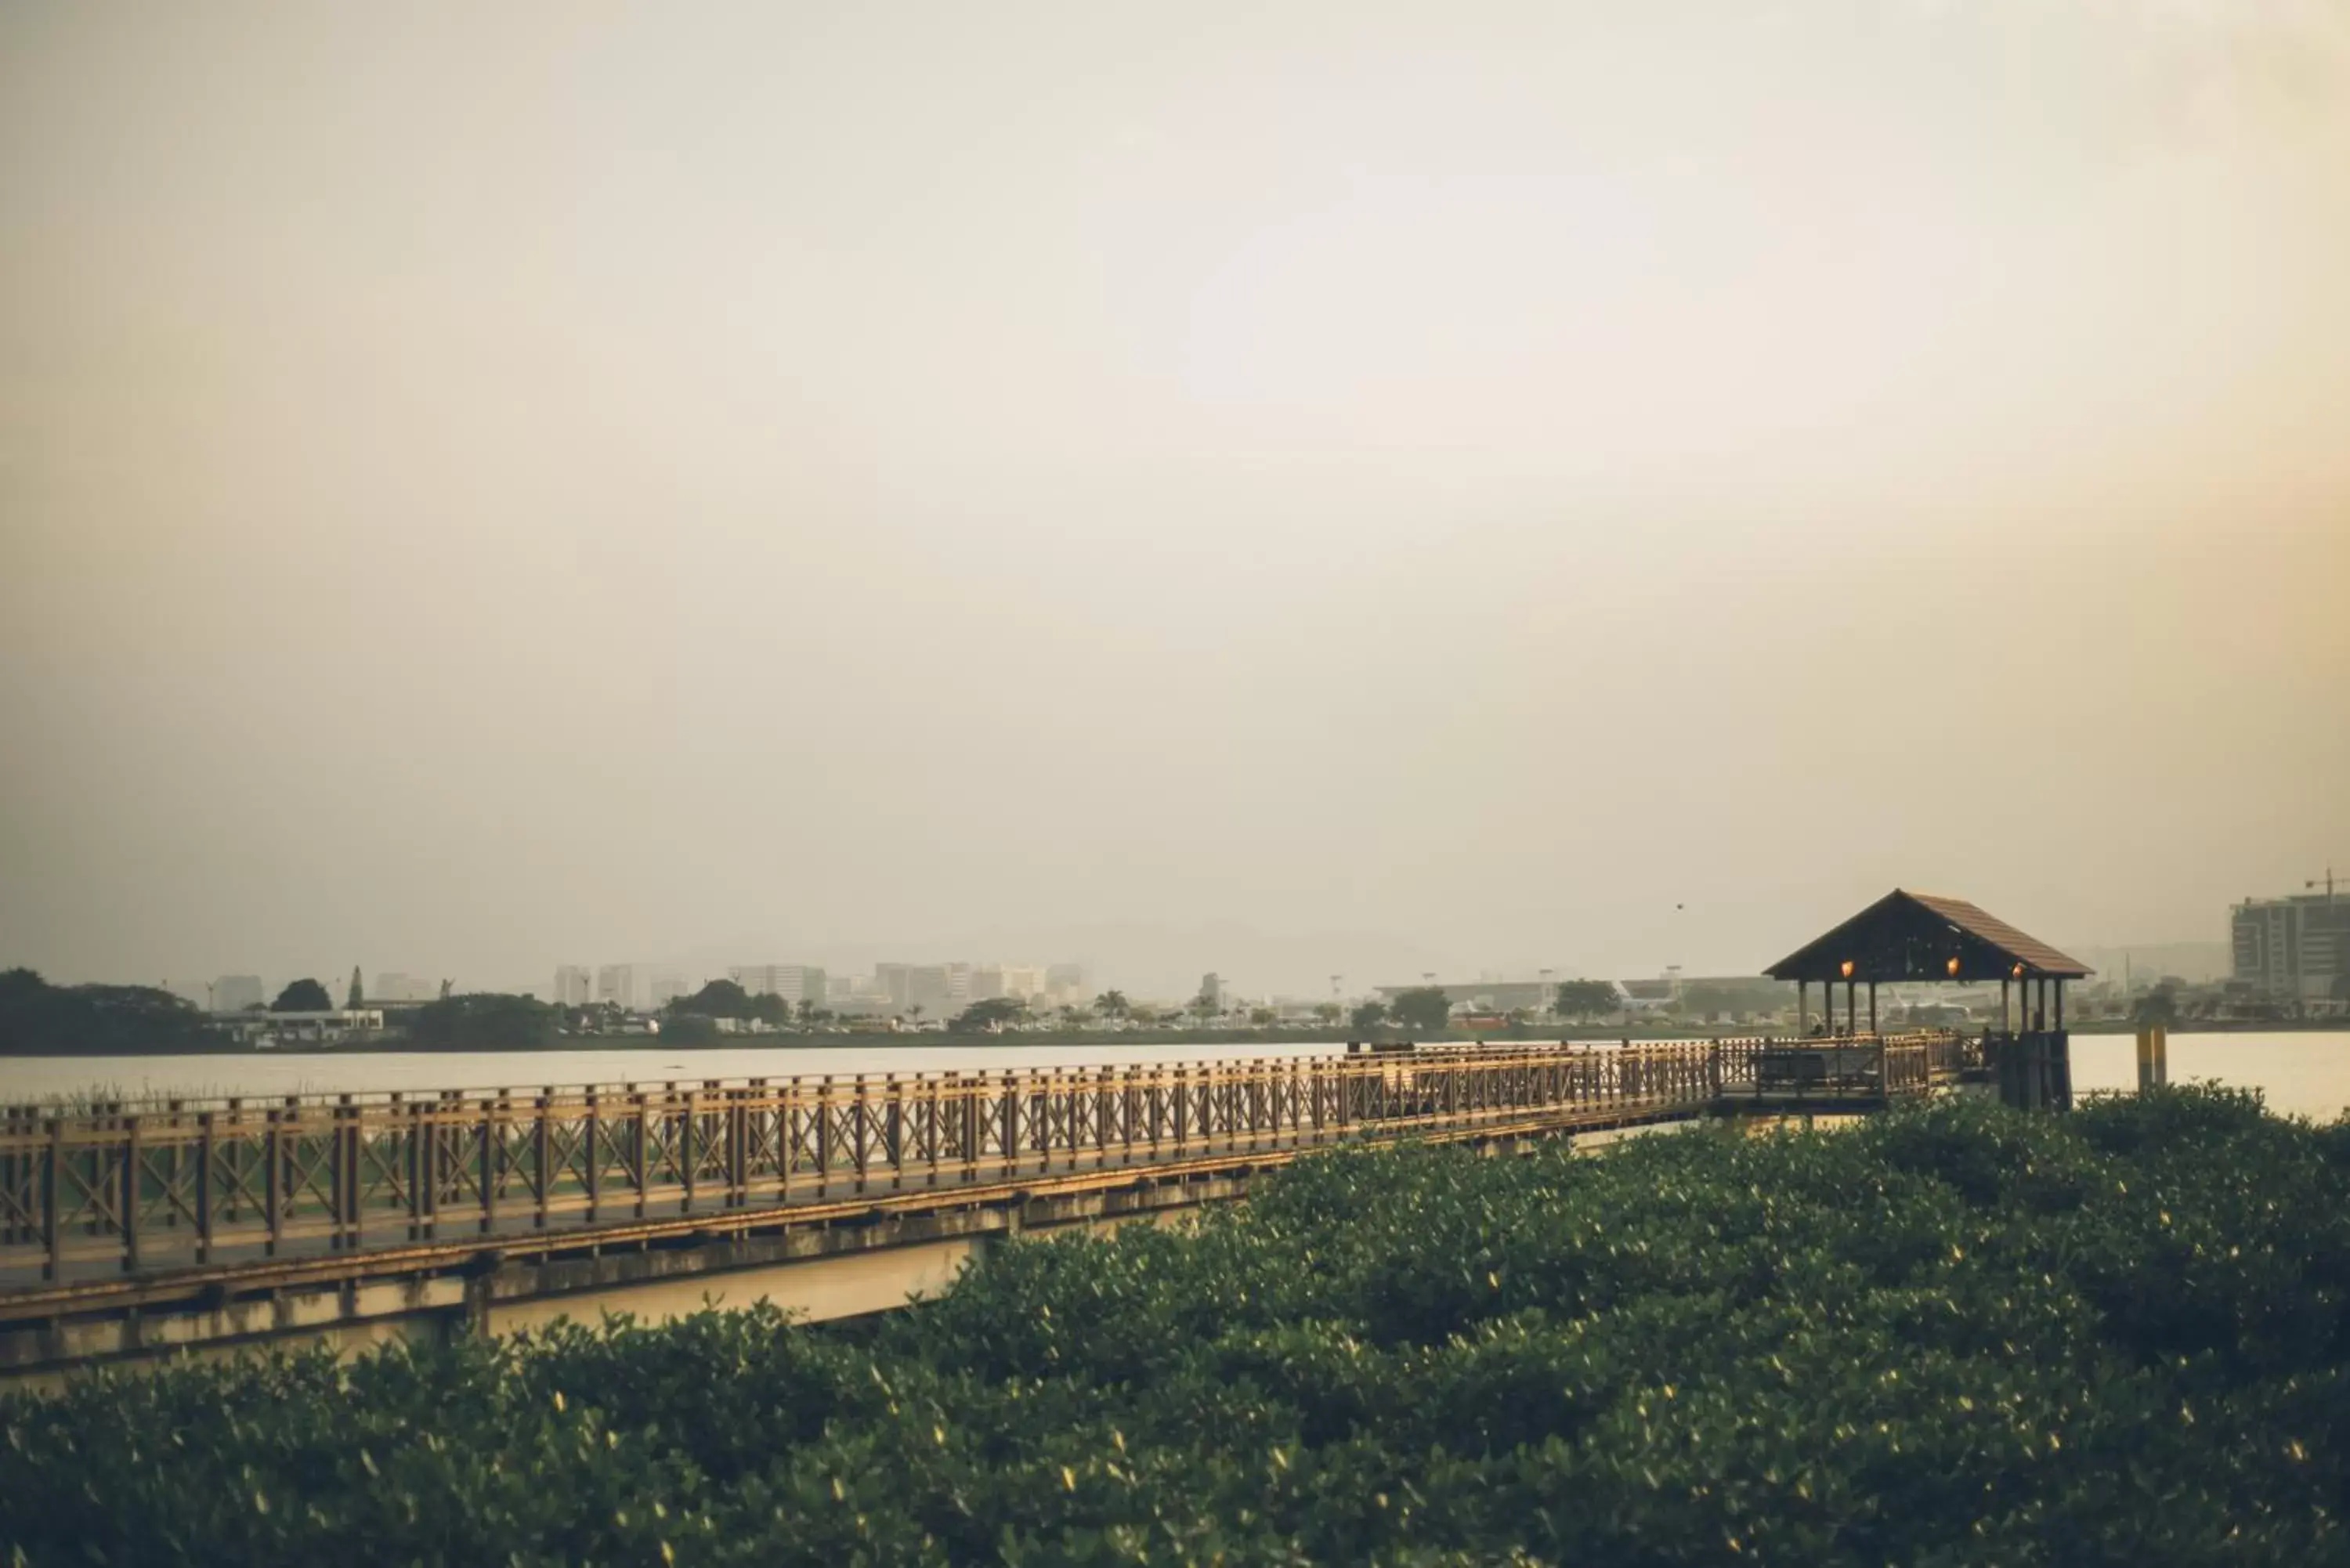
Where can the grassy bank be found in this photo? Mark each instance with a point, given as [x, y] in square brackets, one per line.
[1954, 1335]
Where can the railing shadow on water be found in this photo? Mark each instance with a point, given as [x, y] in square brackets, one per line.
[113, 1189]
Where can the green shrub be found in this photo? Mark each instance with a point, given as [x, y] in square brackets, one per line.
[1952, 1334]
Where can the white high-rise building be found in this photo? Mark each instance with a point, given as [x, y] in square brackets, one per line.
[237, 993]
[793, 982]
[616, 983]
[392, 986]
[668, 988]
[574, 986]
[989, 981]
[2296, 947]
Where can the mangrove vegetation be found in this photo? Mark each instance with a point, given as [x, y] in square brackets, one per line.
[1954, 1335]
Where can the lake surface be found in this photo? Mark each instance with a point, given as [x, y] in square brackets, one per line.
[2300, 1074]
[263, 1074]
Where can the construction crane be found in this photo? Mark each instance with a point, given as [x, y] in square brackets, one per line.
[2327, 884]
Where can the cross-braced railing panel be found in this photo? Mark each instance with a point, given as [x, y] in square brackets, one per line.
[196, 1183]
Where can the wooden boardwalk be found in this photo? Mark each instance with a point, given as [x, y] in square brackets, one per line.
[181, 1192]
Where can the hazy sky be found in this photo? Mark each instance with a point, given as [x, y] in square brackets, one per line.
[1596, 485]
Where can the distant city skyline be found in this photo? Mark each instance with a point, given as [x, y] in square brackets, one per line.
[945, 987]
[1165, 962]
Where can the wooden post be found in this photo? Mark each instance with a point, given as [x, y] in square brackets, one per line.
[53, 1229]
[273, 1182]
[417, 1209]
[861, 1139]
[542, 1155]
[738, 1147]
[492, 1121]
[1872, 1007]
[204, 1187]
[340, 1193]
[590, 1158]
[129, 1190]
[354, 1153]
[642, 1145]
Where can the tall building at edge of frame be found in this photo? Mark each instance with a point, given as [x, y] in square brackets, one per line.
[2296, 947]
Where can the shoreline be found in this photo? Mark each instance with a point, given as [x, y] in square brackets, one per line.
[1217, 1039]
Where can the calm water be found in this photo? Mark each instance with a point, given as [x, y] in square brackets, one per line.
[262, 1074]
[2304, 1074]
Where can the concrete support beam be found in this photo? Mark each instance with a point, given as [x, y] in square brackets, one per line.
[824, 1270]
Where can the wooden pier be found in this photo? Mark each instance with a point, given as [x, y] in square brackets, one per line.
[128, 1228]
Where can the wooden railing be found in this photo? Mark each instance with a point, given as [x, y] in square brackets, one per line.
[193, 1183]
[1862, 1067]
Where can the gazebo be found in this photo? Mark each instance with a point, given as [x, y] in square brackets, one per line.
[1915, 938]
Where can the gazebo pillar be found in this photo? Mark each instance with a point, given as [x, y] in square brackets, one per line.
[1872, 1007]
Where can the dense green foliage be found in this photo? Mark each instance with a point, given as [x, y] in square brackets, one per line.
[303, 996]
[1585, 998]
[38, 1019]
[689, 1029]
[988, 1014]
[1956, 1334]
[483, 1021]
[725, 998]
[1424, 1007]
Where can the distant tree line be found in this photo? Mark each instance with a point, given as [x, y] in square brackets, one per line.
[724, 999]
[1585, 998]
[988, 1015]
[484, 1020]
[693, 1019]
[38, 1019]
[303, 996]
[1424, 1008]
